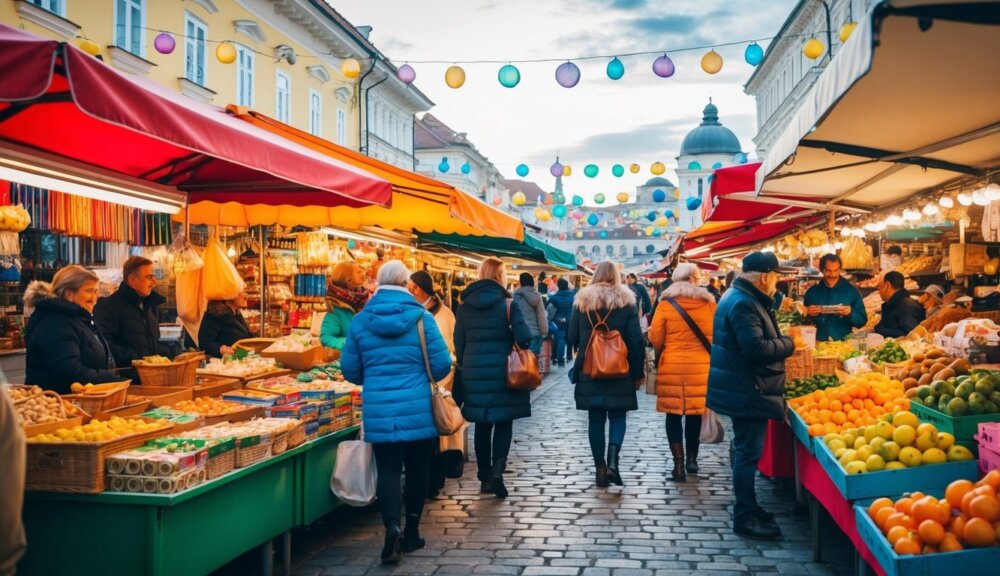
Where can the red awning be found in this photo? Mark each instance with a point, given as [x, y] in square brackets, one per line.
[56, 99]
[728, 239]
[731, 197]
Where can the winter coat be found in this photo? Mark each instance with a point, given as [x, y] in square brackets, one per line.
[641, 298]
[533, 310]
[900, 315]
[747, 376]
[560, 307]
[835, 326]
[333, 331]
[221, 326]
[618, 303]
[130, 324]
[483, 340]
[382, 353]
[64, 345]
[682, 371]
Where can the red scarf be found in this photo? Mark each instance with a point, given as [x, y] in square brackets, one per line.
[353, 299]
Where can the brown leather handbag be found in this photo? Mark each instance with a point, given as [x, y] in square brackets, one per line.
[606, 356]
[448, 417]
[522, 366]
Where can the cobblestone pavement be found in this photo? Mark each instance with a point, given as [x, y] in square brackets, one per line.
[556, 522]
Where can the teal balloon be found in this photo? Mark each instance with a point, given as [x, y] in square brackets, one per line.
[618, 170]
[590, 170]
[577, 200]
[509, 76]
[466, 168]
[351, 244]
[657, 232]
[659, 195]
[616, 69]
[753, 54]
[444, 166]
[651, 216]
[604, 233]
[668, 213]
[593, 219]
[599, 198]
[717, 165]
[740, 158]
[522, 170]
[694, 166]
[693, 202]
[559, 211]
[559, 198]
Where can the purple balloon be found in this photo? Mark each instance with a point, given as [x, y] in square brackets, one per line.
[567, 75]
[663, 66]
[164, 43]
[406, 74]
[556, 170]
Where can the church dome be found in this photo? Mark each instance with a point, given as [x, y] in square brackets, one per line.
[659, 181]
[711, 137]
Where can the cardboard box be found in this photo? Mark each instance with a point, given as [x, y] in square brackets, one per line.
[967, 259]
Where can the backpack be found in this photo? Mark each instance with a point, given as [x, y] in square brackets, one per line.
[606, 356]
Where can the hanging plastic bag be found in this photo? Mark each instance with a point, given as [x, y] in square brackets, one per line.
[354, 475]
[220, 280]
[712, 431]
[186, 257]
[191, 302]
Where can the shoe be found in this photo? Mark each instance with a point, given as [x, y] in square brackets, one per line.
[754, 528]
[411, 535]
[764, 515]
[613, 476]
[497, 478]
[392, 551]
[601, 477]
[678, 474]
[691, 463]
[485, 487]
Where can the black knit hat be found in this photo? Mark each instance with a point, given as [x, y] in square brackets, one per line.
[423, 281]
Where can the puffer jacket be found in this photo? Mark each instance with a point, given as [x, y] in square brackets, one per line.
[533, 310]
[382, 353]
[747, 376]
[483, 341]
[618, 303]
[130, 324]
[561, 307]
[221, 326]
[682, 372]
[333, 332]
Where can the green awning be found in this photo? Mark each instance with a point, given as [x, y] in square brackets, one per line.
[530, 249]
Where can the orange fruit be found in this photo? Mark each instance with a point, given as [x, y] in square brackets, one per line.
[979, 533]
[877, 505]
[928, 549]
[950, 543]
[895, 533]
[992, 478]
[957, 524]
[917, 495]
[899, 519]
[931, 532]
[925, 508]
[904, 505]
[986, 507]
[882, 515]
[956, 490]
[906, 546]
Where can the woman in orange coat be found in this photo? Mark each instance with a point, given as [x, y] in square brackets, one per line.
[683, 362]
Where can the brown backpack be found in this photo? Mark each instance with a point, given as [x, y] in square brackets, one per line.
[606, 356]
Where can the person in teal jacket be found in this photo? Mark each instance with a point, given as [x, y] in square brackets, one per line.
[834, 291]
[345, 296]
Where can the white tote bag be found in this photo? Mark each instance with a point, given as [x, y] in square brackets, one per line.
[354, 475]
[712, 431]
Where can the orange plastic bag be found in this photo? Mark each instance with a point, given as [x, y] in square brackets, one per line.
[219, 278]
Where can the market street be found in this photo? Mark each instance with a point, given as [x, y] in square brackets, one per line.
[555, 522]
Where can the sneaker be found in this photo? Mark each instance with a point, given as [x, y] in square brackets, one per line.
[754, 528]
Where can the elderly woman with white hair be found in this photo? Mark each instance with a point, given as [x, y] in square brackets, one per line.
[383, 353]
[681, 334]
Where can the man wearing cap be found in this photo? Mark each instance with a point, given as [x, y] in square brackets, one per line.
[900, 313]
[932, 299]
[746, 381]
[834, 291]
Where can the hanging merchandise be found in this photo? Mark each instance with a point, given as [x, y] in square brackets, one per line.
[314, 249]
[13, 219]
[857, 255]
[220, 280]
[186, 257]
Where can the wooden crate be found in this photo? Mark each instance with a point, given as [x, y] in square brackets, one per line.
[161, 395]
[123, 411]
[180, 372]
[93, 403]
[304, 360]
[212, 385]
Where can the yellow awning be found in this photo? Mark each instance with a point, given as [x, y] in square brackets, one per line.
[418, 202]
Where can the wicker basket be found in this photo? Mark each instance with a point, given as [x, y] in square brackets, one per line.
[180, 372]
[210, 385]
[826, 364]
[222, 464]
[253, 454]
[280, 443]
[297, 435]
[114, 397]
[799, 365]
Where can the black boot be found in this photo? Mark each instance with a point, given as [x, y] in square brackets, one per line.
[485, 482]
[602, 477]
[613, 476]
[499, 464]
[392, 551]
[691, 463]
[411, 535]
[678, 473]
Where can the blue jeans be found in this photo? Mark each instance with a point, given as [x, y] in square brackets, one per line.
[748, 445]
[616, 431]
[560, 351]
[536, 345]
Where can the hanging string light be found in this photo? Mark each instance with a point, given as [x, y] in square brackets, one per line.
[454, 77]
[813, 48]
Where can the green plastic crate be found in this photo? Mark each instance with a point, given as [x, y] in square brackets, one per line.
[964, 428]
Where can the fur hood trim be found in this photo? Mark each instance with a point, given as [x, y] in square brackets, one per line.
[604, 297]
[38, 291]
[687, 290]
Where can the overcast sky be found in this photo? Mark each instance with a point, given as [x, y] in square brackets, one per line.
[641, 118]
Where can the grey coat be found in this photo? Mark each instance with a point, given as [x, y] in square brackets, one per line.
[532, 308]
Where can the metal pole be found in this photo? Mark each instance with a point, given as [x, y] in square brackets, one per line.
[829, 32]
[263, 285]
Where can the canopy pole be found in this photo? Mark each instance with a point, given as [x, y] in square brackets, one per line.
[187, 216]
[263, 286]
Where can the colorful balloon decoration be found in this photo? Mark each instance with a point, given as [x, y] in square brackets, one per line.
[406, 74]
[717, 165]
[518, 199]
[225, 52]
[657, 168]
[649, 230]
[522, 170]
[695, 165]
[351, 244]
[711, 62]
[546, 199]
[559, 198]
[497, 200]
[693, 202]
[556, 170]
[634, 168]
[577, 214]
[846, 30]
[443, 167]
[567, 170]
[677, 193]
[562, 236]
[90, 47]
[164, 43]
[740, 158]
[753, 54]
[662, 221]
[813, 48]
[668, 213]
[657, 233]
[466, 168]
[543, 215]
[651, 216]
[454, 77]
[577, 200]
[622, 197]
[509, 76]
[579, 234]
[599, 198]
[659, 195]
[618, 170]
[604, 233]
[559, 211]
[593, 219]
[616, 69]
[350, 68]
[568, 75]
[663, 67]
[590, 170]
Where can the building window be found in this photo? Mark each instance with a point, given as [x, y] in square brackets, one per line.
[54, 6]
[315, 113]
[700, 187]
[130, 22]
[341, 127]
[244, 76]
[282, 97]
[195, 33]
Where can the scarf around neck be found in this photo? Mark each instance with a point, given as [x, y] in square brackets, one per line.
[353, 299]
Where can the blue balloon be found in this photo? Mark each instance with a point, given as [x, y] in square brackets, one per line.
[694, 166]
[616, 69]
[710, 178]
[577, 200]
[593, 219]
[693, 202]
[668, 213]
[740, 158]
[659, 195]
[604, 233]
[522, 170]
[559, 211]
[466, 168]
[590, 170]
[351, 244]
[651, 216]
[717, 165]
[509, 76]
[618, 170]
[657, 232]
[444, 166]
[753, 54]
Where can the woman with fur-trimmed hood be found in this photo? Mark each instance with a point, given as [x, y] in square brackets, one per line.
[606, 298]
[682, 372]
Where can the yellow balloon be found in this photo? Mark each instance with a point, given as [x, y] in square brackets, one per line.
[813, 48]
[677, 229]
[634, 168]
[454, 77]
[846, 30]
[649, 230]
[518, 198]
[661, 221]
[90, 47]
[567, 170]
[622, 197]
[711, 62]
[657, 168]
[225, 52]
[350, 68]
[543, 215]
[677, 193]
[579, 234]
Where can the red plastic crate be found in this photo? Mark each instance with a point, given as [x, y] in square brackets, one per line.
[989, 435]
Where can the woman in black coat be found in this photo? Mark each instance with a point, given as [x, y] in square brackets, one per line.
[64, 345]
[486, 328]
[607, 399]
[223, 326]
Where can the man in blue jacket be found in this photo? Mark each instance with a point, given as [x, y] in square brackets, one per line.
[560, 309]
[834, 291]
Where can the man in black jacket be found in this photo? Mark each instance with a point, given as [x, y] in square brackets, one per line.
[900, 313]
[128, 318]
[746, 381]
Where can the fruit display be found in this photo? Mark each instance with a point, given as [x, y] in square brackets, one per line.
[293, 344]
[967, 517]
[77, 388]
[240, 367]
[919, 264]
[842, 350]
[893, 442]
[888, 353]
[154, 360]
[857, 254]
[856, 403]
[973, 394]
[802, 386]
[101, 431]
[947, 315]
[207, 406]
[33, 406]
[923, 369]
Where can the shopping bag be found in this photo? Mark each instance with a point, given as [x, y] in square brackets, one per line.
[354, 475]
[220, 279]
[712, 431]
[650, 371]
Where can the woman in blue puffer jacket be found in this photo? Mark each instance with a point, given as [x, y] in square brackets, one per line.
[383, 353]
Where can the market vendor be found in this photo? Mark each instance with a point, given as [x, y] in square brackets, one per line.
[223, 326]
[932, 299]
[900, 313]
[128, 318]
[834, 324]
[346, 295]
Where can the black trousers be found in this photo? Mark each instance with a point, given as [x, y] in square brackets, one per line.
[692, 429]
[390, 459]
[492, 441]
